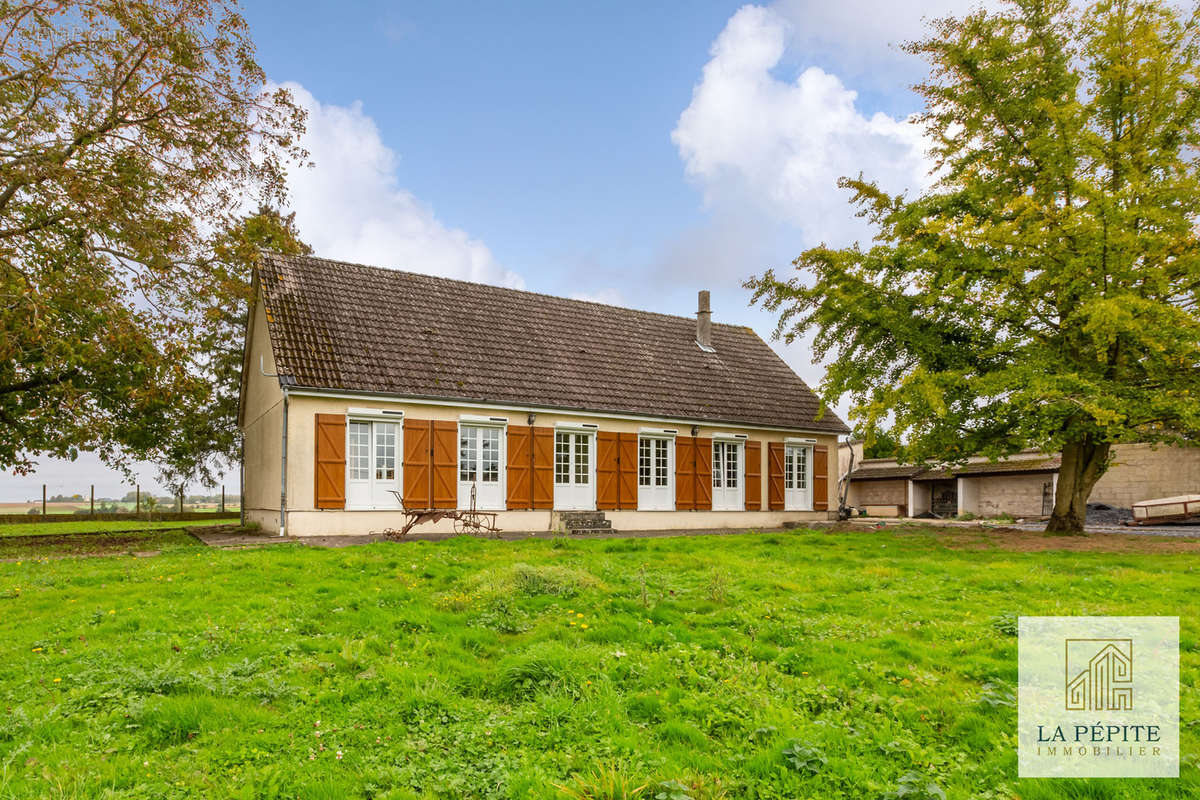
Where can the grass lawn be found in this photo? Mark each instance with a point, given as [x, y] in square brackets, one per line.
[801, 665]
[94, 526]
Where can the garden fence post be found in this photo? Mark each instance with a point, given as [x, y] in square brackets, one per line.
[93, 501]
[222, 499]
[43, 502]
[137, 499]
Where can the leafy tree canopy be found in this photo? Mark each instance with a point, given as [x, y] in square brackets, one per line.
[201, 437]
[1044, 292]
[129, 131]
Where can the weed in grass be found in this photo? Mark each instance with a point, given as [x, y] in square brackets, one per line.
[543, 668]
[804, 759]
[914, 786]
[603, 783]
[716, 589]
[1005, 624]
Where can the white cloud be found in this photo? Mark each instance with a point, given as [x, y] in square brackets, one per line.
[751, 141]
[349, 205]
[608, 296]
[863, 37]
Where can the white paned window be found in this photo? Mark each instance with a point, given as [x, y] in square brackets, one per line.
[573, 489]
[797, 482]
[727, 476]
[656, 490]
[479, 466]
[358, 457]
[582, 459]
[644, 465]
[385, 451]
[372, 463]
[562, 458]
[489, 449]
[660, 462]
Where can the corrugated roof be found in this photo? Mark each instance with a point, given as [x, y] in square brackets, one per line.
[350, 327]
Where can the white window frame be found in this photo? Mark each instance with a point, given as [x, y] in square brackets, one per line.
[738, 441]
[464, 488]
[654, 497]
[381, 498]
[574, 429]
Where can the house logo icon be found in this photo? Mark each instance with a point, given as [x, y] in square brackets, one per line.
[1099, 674]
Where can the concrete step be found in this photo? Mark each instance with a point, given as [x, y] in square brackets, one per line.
[586, 523]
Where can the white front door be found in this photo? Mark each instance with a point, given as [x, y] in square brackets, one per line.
[479, 459]
[371, 470]
[797, 478]
[656, 473]
[574, 481]
[727, 476]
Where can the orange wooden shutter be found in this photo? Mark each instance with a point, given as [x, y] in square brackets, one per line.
[820, 478]
[753, 476]
[520, 467]
[703, 474]
[606, 470]
[417, 448]
[330, 469]
[543, 467]
[627, 470]
[445, 464]
[685, 472]
[775, 476]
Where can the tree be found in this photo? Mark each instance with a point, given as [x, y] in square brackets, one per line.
[880, 443]
[128, 130]
[202, 437]
[1044, 292]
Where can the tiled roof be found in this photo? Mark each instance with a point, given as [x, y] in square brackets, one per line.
[889, 469]
[867, 472]
[349, 327]
[1050, 464]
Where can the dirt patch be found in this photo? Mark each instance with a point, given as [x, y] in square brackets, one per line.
[69, 545]
[981, 537]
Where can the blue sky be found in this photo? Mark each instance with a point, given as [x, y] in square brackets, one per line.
[629, 153]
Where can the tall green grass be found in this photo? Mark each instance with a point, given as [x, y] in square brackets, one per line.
[864, 665]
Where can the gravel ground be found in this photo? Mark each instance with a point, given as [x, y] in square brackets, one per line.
[1101, 514]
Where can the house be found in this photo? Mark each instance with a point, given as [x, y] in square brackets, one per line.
[1022, 485]
[360, 384]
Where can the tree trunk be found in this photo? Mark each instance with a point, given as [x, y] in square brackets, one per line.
[1083, 463]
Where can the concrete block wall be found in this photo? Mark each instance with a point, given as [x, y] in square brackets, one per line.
[1142, 472]
[1018, 495]
[879, 493]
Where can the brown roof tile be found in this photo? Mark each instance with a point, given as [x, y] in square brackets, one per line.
[349, 327]
[890, 469]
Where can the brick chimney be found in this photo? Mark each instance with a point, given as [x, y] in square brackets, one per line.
[704, 323]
